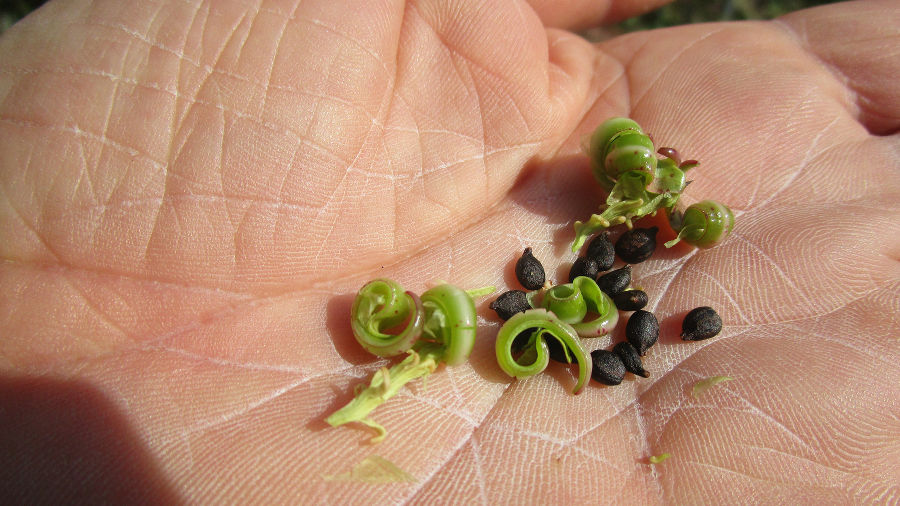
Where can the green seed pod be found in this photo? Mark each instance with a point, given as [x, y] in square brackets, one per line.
[450, 322]
[379, 307]
[617, 146]
[704, 224]
[566, 302]
[544, 325]
[630, 151]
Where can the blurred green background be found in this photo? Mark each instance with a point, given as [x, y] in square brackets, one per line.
[677, 13]
[682, 12]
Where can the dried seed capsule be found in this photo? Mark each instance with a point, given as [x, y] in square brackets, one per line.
[630, 300]
[584, 266]
[630, 358]
[636, 245]
[608, 367]
[642, 330]
[701, 323]
[615, 281]
[602, 251]
[510, 303]
[529, 271]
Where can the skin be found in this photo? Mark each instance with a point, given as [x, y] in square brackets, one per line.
[191, 197]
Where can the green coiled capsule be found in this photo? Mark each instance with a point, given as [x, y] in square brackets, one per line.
[544, 325]
[618, 146]
[380, 305]
[450, 322]
[440, 327]
[704, 224]
[573, 301]
[624, 162]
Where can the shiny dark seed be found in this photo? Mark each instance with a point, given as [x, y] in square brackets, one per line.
[642, 330]
[615, 281]
[556, 349]
[510, 303]
[701, 323]
[608, 367]
[630, 300]
[601, 250]
[630, 358]
[584, 266]
[637, 245]
[529, 271]
[521, 341]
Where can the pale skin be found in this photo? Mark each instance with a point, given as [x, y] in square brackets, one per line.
[191, 195]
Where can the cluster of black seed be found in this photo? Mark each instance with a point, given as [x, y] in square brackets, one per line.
[642, 328]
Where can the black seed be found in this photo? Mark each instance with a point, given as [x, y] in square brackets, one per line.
[556, 349]
[510, 303]
[615, 281]
[701, 323]
[630, 358]
[642, 330]
[521, 340]
[635, 246]
[529, 271]
[630, 300]
[601, 251]
[584, 266]
[608, 367]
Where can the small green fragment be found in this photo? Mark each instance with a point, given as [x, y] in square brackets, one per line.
[477, 293]
[703, 385]
[656, 459]
[374, 469]
[384, 385]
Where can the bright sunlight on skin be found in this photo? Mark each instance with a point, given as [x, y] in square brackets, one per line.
[194, 192]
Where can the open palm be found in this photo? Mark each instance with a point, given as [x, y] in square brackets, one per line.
[192, 192]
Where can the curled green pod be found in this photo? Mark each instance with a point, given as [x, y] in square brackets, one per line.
[624, 162]
[544, 325]
[380, 306]
[574, 302]
[596, 147]
[704, 224]
[441, 327]
[597, 303]
[566, 302]
[450, 322]
[618, 146]
[630, 151]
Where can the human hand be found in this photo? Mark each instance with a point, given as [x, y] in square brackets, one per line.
[193, 193]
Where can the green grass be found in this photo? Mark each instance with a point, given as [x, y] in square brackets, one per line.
[14, 10]
[682, 12]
